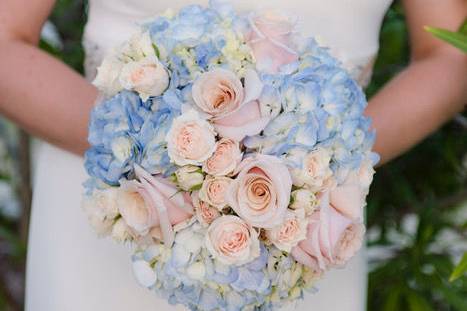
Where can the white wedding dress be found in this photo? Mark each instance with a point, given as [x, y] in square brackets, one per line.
[69, 268]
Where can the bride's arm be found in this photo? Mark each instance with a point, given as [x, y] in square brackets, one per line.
[39, 92]
[431, 90]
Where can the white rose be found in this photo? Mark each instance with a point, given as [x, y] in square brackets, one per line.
[138, 47]
[107, 78]
[190, 140]
[304, 199]
[189, 177]
[101, 209]
[290, 232]
[148, 77]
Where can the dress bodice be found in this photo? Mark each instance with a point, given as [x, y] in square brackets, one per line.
[349, 27]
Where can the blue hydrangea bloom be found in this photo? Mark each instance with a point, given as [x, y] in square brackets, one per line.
[114, 131]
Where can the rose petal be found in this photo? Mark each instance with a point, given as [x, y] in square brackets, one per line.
[253, 86]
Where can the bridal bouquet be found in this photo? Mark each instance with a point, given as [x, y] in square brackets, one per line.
[233, 154]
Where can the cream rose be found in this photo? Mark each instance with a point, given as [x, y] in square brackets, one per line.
[214, 190]
[101, 209]
[290, 232]
[232, 241]
[133, 66]
[315, 173]
[332, 239]
[205, 214]
[148, 77]
[189, 177]
[261, 192]
[190, 140]
[225, 158]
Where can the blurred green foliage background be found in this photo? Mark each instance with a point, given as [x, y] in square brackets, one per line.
[417, 208]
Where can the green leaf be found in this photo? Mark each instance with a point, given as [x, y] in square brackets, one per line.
[454, 298]
[463, 28]
[457, 39]
[393, 300]
[417, 302]
[460, 269]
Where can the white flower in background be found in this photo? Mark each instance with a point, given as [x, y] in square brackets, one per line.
[213, 191]
[101, 209]
[190, 140]
[315, 173]
[232, 241]
[189, 177]
[290, 232]
[304, 199]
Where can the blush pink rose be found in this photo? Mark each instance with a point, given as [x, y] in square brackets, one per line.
[225, 158]
[190, 140]
[214, 189]
[232, 241]
[332, 239]
[261, 192]
[205, 213]
[153, 204]
[234, 108]
[271, 39]
[349, 198]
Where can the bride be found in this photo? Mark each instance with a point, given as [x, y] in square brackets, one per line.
[68, 267]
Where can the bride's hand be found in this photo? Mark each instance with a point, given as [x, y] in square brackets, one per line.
[39, 92]
[433, 87]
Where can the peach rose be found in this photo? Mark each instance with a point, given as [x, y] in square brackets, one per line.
[232, 241]
[234, 108]
[214, 189]
[152, 204]
[218, 92]
[225, 158]
[190, 140]
[349, 198]
[261, 192]
[205, 214]
[332, 239]
[271, 39]
[290, 232]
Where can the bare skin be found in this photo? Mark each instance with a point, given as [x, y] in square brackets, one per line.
[51, 101]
